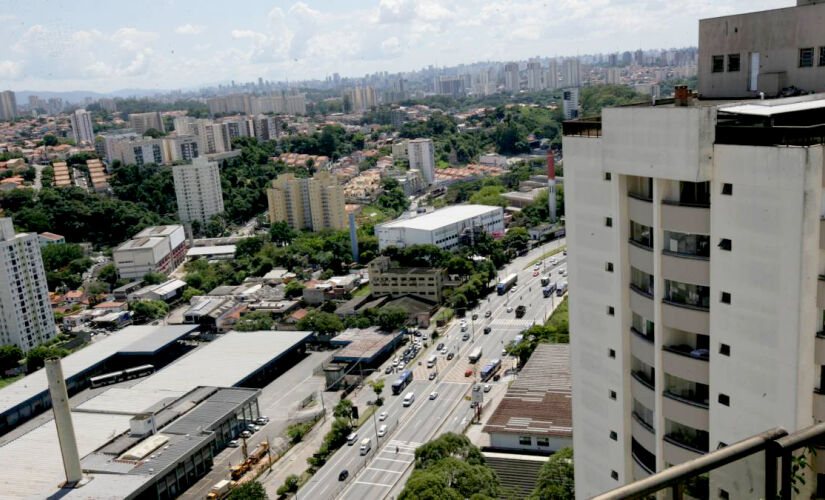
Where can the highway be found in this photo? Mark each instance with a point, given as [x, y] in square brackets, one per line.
[382, 469]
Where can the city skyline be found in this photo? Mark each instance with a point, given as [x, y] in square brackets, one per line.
[62, 48]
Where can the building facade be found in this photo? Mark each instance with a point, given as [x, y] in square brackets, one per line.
[81, 121]
[445, 228]
[314, 204]
[157, 249]
[697, 244]
[422, 158]
[512, 79]
[745, 54]
[387, 278]
[26, 318]
[198, 190]
[8, 105]
[142, 122]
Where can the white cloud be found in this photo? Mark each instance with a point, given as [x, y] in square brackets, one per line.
[9, 70]
[189, 29]
[391, 46]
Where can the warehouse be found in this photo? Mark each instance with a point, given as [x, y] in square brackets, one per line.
[445, 228]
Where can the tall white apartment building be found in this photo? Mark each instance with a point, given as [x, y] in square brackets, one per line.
[551, 76]
[198, 190]
[26, 318]
[142, 122]
[213, 137]
[696, 233]
[8, 105]
[422, 157]
[535, 75]
[512, 80]
[571, 73]
[570, 103]
[82, 131]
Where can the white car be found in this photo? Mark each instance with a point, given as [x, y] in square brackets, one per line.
[463, 323]
[509, 309]
[562, 271]
[554, 261]
[395, 362]
[487, 387]
[433, 395]
[233, 444]
[382, 431]
[382, 416]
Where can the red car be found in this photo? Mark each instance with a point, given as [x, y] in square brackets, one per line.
[535, 273]
[468, 373]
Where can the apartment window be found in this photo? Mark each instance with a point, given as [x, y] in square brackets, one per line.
[724, 399]
[608, 266]
[727, 189]
[607, 175]
[733, 63]
[611, 353]
[806, 57]
[724, 349]
[542, 441]
[718, 64]
[608, 221]
[611, 311]
[614, 436]
[822, 56]
[725, 298]
[525, 440]
[613, 395]
[614, 475]
[725, 244]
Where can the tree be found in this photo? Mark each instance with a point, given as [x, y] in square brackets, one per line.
[290, 485]
[37, 356]
[147, 310]
[252, 490]
[280, 233]
[190, 292]
[321, 322]
[459, 265]
[391, 318]
[516, 238]
[377, 388]
[555, 478]
[510, 137]
[293, 289]
[343, 409]
[10, 356]
[153, 278]
[50, 140]
[489, 195]
[108, 274]
[255, 321]
[153, 133]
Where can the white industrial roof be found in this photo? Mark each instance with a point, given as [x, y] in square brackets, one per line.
[140, 244]
[213, 250]
[158, 231]
[223, 362]
[34, 384]
[442, 217]
[127, 400]
[32, 464]
[772, 107]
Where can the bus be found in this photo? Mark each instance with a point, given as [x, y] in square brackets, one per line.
[475, 355]
[120, 376]
[490, 369]
[561, 289]
[506, 284]
[403, 381]
[548, 291]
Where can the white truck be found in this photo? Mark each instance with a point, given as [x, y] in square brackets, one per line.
[220, 490]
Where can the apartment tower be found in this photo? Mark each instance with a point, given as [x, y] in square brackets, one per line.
[314, 204]
[198, 190]
[82, 131]
[26, 318]
[8, 105]
[422, 157]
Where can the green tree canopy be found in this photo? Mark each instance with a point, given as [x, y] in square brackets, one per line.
[37, 356]
[10, 356]
[252, 490]
[555, 478]
[321, 322]
[147, 310]
[391, 318]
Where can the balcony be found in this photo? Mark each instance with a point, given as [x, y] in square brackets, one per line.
[685, 317]
[641, 302]
[642, 389]
[640, 471]
[641, 256]
[687, 363]
[822, 229]
[685, 268]
[641, 346]
[640, 209]
[685, 217]
[819, 348]
[820, 292]
[642, 432]
[681, 448]
[819, 405]
[685, 411]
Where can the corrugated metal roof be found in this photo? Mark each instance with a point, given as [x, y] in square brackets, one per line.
[213, 410]
[442, 217]
[158, 340]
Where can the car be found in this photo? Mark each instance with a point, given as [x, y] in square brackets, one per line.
[439, 346]
[463, 322]
[476, 388]
[554, 261]
[261, 421]
[468, 373]
[246, 434]
[509, 309]
[417, 333]
[233, 444]
[473, 404]
[535, 273]
[504, 352]
[352, 438]
[562, 271]
[253, 428]
[475, 317]
[488, 314]
[564, 252]
[382, 431]
[388, 370]
[432, 375]
[487, 387]
[433, 395]
[513, 289]
[382, 416]
[496, 377]
[450, 356]
[395, 362]
[465, 337]
[487, 330]
[343, 475]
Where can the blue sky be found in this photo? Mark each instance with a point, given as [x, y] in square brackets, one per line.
[109, 45]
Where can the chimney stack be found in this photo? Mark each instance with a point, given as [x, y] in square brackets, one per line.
[63, 422]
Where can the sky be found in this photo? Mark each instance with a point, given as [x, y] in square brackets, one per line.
[56, 45]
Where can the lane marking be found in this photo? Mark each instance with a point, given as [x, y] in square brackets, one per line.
[374, 484]
[385, 470]
[393, 460]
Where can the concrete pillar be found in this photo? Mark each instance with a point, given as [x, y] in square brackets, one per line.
[63, 422]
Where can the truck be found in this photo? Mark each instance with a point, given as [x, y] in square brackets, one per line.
[238, 471]
[506, 284]
[220, 490]
[475, 355]
[520, 310]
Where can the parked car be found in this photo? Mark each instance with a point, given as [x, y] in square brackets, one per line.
[466, 336]
[233, 444]
[475, 317]
[509, 309]
[487, 387]
[487, 330]
[246, 434]
[554, 261]
[382, 416]
[535, 273]
[439, 346]
[352, 438]
[433, 395]
[473, 404]
[343, 475]
[388, 370]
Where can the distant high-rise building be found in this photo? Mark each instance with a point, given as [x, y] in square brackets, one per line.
[639, 57]
[614, 76]
[535, 75]
[8, 105]
[214, 137]
[359, 99]
[26, 318]
[82, 131]
[570, 103]
[551, 79]
[422, 157]
[314, 204]
[571, 73]
[198, 190]
[108, 105]
[141, 122]
[450, 85]
[613, 60]
[512, 80]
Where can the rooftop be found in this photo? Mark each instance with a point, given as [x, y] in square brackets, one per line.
[213, 250]
[363, 344]
[140, 244]
[540, 401]
[158, 231]
[441, 218]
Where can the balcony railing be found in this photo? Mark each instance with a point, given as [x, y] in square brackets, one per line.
[821, 334]
[686, 305]
[641, 464]
[638, 418]
[640, 196]
[643, 379]
[643, 336]
[688, 351]
[646, 291]
[644, 245]
[689, 399]
[683, 255]
[697, 444]
[693, 204]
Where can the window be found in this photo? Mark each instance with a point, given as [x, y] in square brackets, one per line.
[718, 64]
[725, 244]
[608, 221]
[607, 175]
[724, 399]
[723, 495]
[614, 436]
[611, 353]
[822, 56]
[611, 311]
[725, 298]
[727, 188]
[525, 440]
[542, 441]
[724, 349]
[614, 475]
[608, 266]
[733, 63]
[613, 395]
[806, 57]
